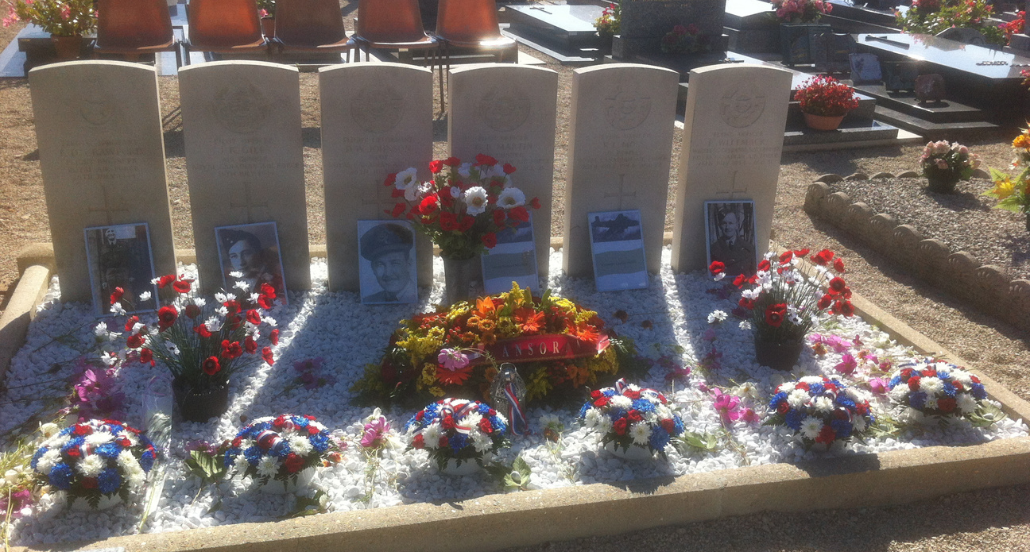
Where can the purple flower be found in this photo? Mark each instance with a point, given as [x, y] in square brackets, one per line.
[308, 365]
[375, 432]
[709, 335]
[878, 386]
[452, 359]
[728, 406]
[847, 364]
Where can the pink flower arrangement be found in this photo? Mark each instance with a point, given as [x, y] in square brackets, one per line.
[800, 11]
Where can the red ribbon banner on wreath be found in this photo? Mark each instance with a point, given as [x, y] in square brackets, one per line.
[540, 348]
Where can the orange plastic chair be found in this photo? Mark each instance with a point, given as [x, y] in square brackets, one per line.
[134, 27]
[468, 24]
[311, 26]
[391, 25]
[225, 27]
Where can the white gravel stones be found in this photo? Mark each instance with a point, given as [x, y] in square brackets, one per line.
[348, 335]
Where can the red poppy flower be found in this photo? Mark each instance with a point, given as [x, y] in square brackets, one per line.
[273, 336]
[253, 317]
[786, 256]
[192, 310]
[838, 264]
[266, 355]
[232, 306]
[166, 316]
[182, 286]
[135, 341]
[717, 267]
[211, 366]
[391, 179]
[824, 301]
[485, 160]
[202, 331]
[130, 322]
[249, 345]
[746, 303]
[508, 168]
[774, 314]
[499, 217]
[231, 349]
[397, 210]
[845, 308]
[145, 356]
[837, 285]
[116, 295]
[823, 257]
[452, 161]
[489, 240]
[265, 301]
[448, 222]
[764, 265]
[435, 166]
[518, 213]
[428, 205]
[466, 223]
[801, 252]
[165, 280]
[620, 426]
[535, 203]
[268, 289]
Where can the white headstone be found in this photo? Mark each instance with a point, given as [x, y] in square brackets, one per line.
[620, 148]
[245, 158]
[508, 112]
[377, 119]
[101, 150]
[732, 141]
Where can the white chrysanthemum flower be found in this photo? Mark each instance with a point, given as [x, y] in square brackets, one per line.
[301, 445]
[117, 309]
[131, 437]
[481, 442]
[810, 427]
[240, 464]
[233, 274]
[899, 393]
[619, 401]
[592, 417]
[222, 311]
[99, 438]
[662, 411]
[221, 297]
[797, 398]
[786, 387]
[745, 325]
[127, 461]
[49, 429]
[136, 479]
[58, 441]
[145, 296]
[858, 423]
[109, 358]
[717, 317]
[406, 179]
[269, 320]
[511, 197]
[931, 386]
[214, 324]
[431, 435]
[47, 462]
[930, 403]
[966, 403]
[471, 420]
[101, 330]
[811, 379]
[640, 432]
[242, 285]
[604, 424]
[91, 465]
[962, 377]
[823, 405]
[268, 466]
[475, 200]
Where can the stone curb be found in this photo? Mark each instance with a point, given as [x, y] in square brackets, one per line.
[960, 274]
[496, 522]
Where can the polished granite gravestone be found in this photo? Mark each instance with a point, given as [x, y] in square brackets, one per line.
[568, 28]
[643, 24]
[984, 86]
[751, 26]
[846, 17]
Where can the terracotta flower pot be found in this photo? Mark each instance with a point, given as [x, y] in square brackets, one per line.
[67, 47]
[200, 405]
[778, 355]
[823, 122]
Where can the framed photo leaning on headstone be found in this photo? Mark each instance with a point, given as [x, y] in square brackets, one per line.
[513, 259]
[250, 253]
[119, 256]
[386, 262]
[617, 245]
[730, 231]
[865, 69]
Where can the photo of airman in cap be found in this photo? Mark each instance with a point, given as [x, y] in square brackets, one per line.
[388, 266]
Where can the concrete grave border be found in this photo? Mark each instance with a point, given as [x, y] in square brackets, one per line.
[985, 287]
[501, 521]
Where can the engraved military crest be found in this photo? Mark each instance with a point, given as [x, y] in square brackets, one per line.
[377, 109]
[241, 108]
[742, 104]
[626, 108]
[96, 106]
[504, 109]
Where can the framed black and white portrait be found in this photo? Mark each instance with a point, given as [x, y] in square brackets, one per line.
[730, 232]
[386, 262]
[250, 253]
[617, 247]
[513, 259]
[119, 256]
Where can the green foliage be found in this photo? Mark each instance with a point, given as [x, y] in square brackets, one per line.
[934, 16]
[608, 24]
[697, 442]
[57, 17]
[987, 415]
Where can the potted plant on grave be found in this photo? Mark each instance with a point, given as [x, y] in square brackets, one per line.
[944, 164]
[800, 11]
[458, 434]
[782, 303]
[461, 210]
[202, 345]
[933, 16]
[684, 40]
[266, 9]
[1013, 194]
[607, 26]
[825, 101]
[66, 21]
[634, 422]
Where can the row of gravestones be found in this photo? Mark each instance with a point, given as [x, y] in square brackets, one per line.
[102, 153]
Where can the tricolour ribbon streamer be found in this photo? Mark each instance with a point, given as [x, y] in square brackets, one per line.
[518, 426]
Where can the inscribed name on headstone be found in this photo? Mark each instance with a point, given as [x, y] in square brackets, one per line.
[620, 149]
[377, 119]
[508, 112]
[98, 126]
[245, 158]
[732, 141]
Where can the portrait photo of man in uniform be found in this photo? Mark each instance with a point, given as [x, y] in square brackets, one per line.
[249, 253]
[120, 257]
[731, 235]
[387, 264]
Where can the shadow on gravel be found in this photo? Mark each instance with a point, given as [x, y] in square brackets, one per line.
[838, 162]
[312, 137]
[840, 465]
[959, 201]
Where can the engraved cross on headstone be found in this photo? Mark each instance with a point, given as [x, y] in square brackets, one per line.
[107, 210]
[734, 192]
[248, 203]
[622, 191]
[382, 198]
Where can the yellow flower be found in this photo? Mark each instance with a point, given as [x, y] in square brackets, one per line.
[487, 325]
[428, 378]
[507, 328]
[437, 392]
[537, 386]
[1003, 188]
[1021, 141]
[473, 322]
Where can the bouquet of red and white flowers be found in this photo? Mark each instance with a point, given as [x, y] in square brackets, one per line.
[820, 410]
[201, 344]
[458, 430]
[935, 388]
[630, 416]
[465, 204]
[280, 448]
[782, 302]
[800, 11]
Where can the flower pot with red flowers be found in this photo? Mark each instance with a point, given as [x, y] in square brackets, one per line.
[461, 209]
[944, 164]
[825, 101]
[782, 301]
[202, 344]
[66, 21]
